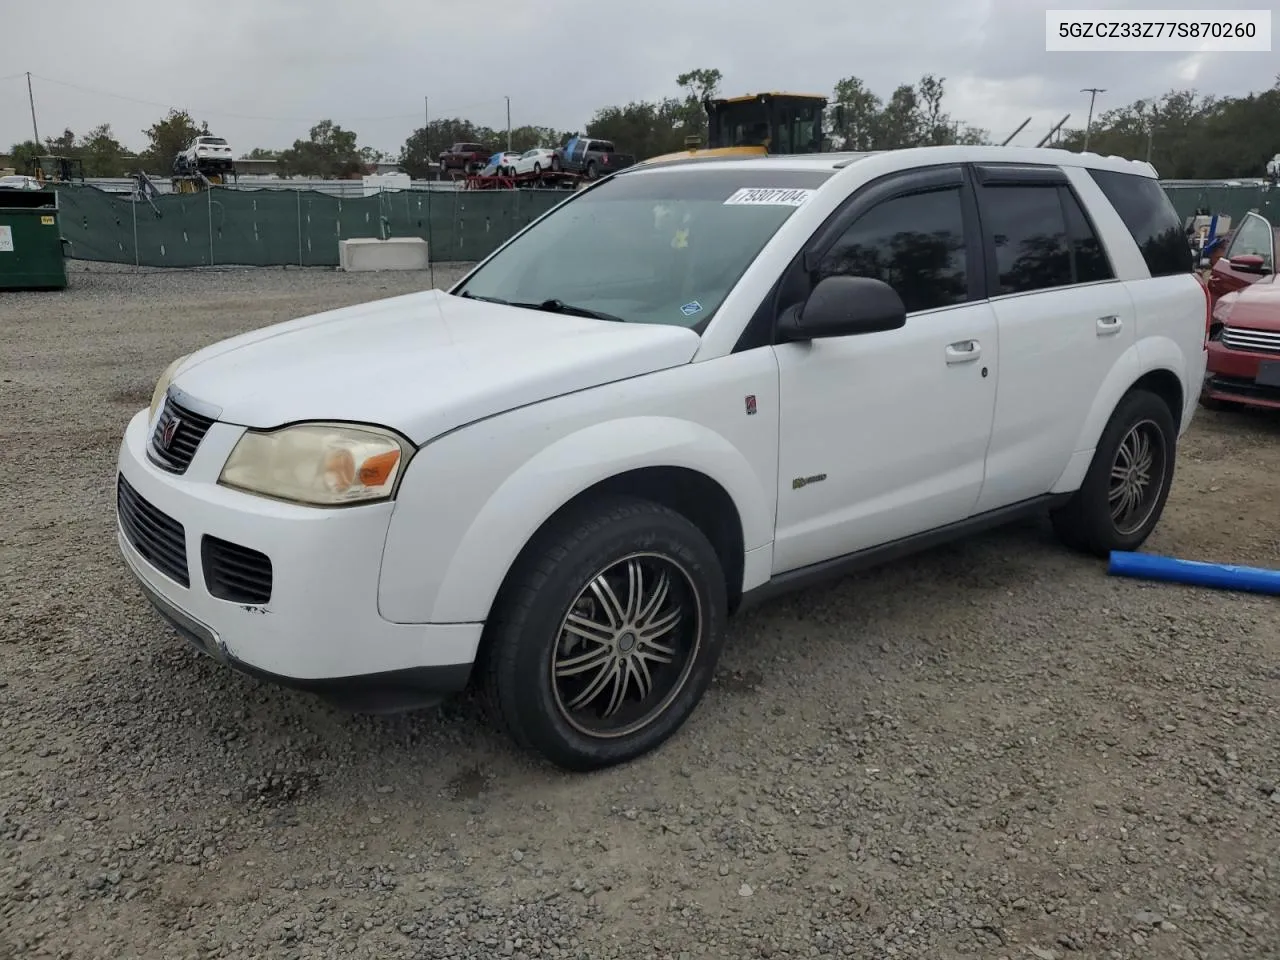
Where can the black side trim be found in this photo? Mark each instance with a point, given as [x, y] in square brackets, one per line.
[392, 691]
[897, 549]
[992, 174]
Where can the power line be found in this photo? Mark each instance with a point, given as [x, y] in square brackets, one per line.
[93, 91]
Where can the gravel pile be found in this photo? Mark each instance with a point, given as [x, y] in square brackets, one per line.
[991, 751]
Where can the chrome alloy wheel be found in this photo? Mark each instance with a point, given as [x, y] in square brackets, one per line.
[627, 645]
[1137, 476]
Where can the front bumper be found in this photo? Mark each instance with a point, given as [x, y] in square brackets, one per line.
[320, 628]
[1232, 375]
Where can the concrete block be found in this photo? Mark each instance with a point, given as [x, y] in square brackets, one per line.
[397, 253]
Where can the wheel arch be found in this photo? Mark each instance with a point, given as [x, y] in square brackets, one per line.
[509, 493]
[694, 495]
[1139, 368]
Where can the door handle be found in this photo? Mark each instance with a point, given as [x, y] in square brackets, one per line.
[1109, 325]
[964, 351]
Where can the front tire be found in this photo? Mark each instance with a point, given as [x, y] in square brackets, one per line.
[606, 634]
[1124, 492]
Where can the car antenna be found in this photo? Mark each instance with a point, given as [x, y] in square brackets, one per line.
[431, 246]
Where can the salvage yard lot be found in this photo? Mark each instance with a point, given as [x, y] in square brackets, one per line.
[991, 750]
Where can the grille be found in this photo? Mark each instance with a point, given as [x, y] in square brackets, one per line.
[235, 573]
[1259, 341]
[156, 535]
[189, 431]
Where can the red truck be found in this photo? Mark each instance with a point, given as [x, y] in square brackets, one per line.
[467, 157]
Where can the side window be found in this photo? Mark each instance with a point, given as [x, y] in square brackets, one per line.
[1153, 223]
[914, 243]
[1091, 263]
[1253, 237]
[1028, 229]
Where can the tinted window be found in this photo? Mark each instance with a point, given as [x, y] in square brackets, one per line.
[1153, 223]
[1252, 237]
[913, 243]
[1091, 263]
[1027, 227]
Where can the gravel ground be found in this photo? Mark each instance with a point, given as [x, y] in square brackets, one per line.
[993, 750]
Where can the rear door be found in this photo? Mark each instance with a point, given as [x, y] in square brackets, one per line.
[1064, 321]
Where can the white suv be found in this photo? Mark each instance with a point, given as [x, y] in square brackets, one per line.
[206, 154]
[691, 385]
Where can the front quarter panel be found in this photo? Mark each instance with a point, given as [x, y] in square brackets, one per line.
[471, 499]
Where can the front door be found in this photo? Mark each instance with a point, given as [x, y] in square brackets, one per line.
[1254, 236]
[884, 435]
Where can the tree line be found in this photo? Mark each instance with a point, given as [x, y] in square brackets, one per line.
[1184, 134]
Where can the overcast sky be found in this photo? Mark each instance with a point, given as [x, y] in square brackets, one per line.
[262, 71]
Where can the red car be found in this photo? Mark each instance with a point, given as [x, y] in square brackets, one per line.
[1249, 257]
[1244, 332]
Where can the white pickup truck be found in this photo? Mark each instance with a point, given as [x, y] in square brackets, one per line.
[688, 387]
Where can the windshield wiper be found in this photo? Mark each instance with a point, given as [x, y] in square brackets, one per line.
[559, 306]
[550, 306]
[471, 296]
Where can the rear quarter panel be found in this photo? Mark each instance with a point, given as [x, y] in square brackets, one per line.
[1169, 321]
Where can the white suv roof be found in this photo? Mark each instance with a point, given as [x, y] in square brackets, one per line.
[917, 156]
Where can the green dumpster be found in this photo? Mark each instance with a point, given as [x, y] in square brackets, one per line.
[31, 252]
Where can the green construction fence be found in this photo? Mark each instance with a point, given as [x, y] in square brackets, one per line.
[271, 227]
[1235, 202]
[222, 226]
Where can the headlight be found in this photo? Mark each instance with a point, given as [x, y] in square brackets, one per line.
[321, 464]
[162, 385]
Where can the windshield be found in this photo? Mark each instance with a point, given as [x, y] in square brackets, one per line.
[661, 246]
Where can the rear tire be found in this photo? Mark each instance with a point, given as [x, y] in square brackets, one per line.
[606, 634]
[1125, 489]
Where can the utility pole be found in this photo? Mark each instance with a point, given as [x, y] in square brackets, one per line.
[1088, 125]
[32, 100]
[508, 124]
[1151, 129]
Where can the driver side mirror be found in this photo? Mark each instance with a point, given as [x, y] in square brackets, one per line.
[1248, 263]
[841, 307]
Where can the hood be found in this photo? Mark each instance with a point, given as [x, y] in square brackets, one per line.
[422, 364]
[1256, 306]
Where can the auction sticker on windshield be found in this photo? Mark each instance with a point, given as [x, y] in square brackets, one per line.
[769, 196]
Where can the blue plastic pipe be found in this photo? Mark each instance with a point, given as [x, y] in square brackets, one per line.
[1223, 576]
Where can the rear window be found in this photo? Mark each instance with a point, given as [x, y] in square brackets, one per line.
[214, 141]
[1153, 223]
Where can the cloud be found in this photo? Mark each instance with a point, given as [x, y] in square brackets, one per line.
[263, 72]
